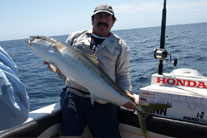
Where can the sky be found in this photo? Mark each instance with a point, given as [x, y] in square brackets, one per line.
[20, 19]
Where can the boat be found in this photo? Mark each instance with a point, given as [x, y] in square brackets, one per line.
[46, 122]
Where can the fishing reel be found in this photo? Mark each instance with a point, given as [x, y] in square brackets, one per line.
[162, 54]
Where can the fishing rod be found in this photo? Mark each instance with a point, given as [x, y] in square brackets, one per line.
[161, 53]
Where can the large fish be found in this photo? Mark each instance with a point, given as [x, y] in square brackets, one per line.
[86, 71]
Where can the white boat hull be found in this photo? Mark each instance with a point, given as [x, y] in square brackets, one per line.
[46, 122]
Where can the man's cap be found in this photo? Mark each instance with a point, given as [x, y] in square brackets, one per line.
[103, 8]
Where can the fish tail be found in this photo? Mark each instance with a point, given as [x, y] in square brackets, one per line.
[143, 110]
[143, 124]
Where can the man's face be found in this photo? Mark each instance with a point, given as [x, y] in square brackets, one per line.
[102, 23]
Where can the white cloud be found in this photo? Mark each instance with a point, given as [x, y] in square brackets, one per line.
[143, 13]
[193, 4]
[139, 7]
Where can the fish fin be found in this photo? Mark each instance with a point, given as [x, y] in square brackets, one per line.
[96, 62]
[53, 67]
[144, 110]
[93, 98]
[97, 99]
[60, 47]
[143, 124]
[153, 106]
[93, 59]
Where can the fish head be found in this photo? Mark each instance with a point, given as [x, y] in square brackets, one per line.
[42, 46]
[40, 43]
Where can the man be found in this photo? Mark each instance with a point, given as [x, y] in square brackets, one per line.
[113, 56]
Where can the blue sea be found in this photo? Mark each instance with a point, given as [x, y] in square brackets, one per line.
[187, 43]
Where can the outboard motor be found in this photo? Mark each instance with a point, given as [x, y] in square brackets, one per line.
[184, 89]
[14, 101]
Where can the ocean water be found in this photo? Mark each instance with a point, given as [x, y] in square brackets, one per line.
[187, 43]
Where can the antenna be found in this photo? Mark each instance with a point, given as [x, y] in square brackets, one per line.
[161, 53]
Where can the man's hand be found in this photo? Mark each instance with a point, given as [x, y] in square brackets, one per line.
[131, 105]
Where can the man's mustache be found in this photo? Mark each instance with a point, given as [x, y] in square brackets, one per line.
[102, 23]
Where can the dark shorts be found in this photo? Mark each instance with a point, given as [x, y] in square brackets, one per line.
[77, 112]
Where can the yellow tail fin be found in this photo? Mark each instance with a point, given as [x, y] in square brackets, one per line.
[144, 110]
